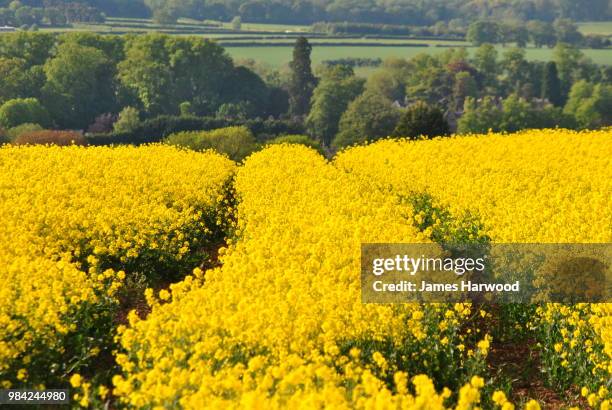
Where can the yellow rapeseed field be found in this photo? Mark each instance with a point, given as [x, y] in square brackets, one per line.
[543, 186]
[289, 329]
[280, 322]
[534, 187]
[74, 221]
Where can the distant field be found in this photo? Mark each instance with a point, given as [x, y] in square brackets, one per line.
[354, 41]
[129, 24]
[272, 43]
[279, 56]
[596, 27]
[116, 24]
[270, 27]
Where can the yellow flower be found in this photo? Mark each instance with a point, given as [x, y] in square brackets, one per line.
[22, 374]
[499, 398]
[76, 380]
[477, 381]
[532, 405]
[102, 391]
[164, 294]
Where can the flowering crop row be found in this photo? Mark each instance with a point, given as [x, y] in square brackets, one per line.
[281, 323]
[77, 223]
[535, 187]
[541, 186]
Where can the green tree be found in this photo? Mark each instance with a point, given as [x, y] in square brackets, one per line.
[551, 84]
[239, 111]
[569, 60]
[337, 88]
[517, 114]
[20, 111]
[33, 48]
[566, 31]
[129, 119]
[513, 33]
[14, 82]
[590, 104]
[516, 68]
[25, 16]
[303, 81]
[166, 15]
[421, 119]
[237, 23]
[165, 71]
[244, 88]
[112, 46]
[481, 32]
[390, 79]
[79, 85]
[485, 61]
[15, 5]
[480, 116]
[465, 86]
[369, 117]
[512, 114]
[541, 33]
[429, 78]
[520, 36]
[185, 109]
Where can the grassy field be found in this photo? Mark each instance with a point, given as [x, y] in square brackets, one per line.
[281, 40]
[116, 24]
[278, 56]
[596, 27]
[286, 28]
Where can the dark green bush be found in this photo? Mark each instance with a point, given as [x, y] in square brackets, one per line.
[235, 142]
[4, 138]
[15, 132]
[158, 128]
[421, 120]
[23, 110]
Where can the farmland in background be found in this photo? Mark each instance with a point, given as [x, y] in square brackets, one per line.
[273, 43]
[596, 27]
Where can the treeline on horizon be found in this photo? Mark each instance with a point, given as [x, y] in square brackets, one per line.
[142, 88]
[535, 32]
[409, 12]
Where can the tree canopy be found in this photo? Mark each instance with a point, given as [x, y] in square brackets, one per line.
[413, 12]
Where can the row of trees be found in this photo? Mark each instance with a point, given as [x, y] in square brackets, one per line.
[414, 12]
[18, 14]
[539, 33]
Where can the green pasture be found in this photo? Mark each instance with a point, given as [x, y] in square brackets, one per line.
[278, 56]
[603, 28]
[356, 41]
[281, 28]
